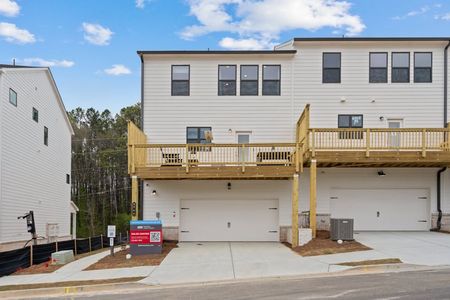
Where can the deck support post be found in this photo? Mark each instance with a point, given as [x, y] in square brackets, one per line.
[313, 197]
[424, 143]
[134, 198]
[367, 142]
[295, 183]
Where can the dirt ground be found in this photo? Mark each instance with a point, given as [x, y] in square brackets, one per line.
[323, 245]
[47, 267]
[119, 260]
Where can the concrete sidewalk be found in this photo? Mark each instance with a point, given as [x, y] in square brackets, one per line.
[74, 272]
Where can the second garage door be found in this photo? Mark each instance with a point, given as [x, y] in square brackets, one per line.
[382, 209]
[229, 220]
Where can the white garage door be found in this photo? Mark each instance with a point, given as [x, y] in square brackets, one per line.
[229, 220]
[382, 209]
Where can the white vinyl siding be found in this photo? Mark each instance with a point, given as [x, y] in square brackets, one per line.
[32, 174]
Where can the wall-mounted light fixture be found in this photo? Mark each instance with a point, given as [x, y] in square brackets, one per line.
[154, 192]
[343, 100]
[381, 173]
[229, 185]
[381, 118]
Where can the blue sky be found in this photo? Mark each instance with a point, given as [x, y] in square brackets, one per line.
[91, 45]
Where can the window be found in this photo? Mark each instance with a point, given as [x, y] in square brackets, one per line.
[423, 67]
[12, 97]
[249, 80]
[331, 72]
[350, 121]
[196, 135]
[35, 115]
[227, 80]
[67, 178]
[271, 80]
[45, 136]
[378, 67]
[180, 80]
[400, 67]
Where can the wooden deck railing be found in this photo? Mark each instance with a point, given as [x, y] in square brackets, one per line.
[135, 136]
[379, 139]
[215, 155]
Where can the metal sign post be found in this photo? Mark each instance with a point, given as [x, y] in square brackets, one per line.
[111, 235]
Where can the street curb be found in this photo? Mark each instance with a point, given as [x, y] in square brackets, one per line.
[131, 287]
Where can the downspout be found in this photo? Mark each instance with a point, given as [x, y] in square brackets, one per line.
[438, 194]
[446, 84]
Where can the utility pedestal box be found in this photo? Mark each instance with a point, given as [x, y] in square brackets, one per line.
[146, 237]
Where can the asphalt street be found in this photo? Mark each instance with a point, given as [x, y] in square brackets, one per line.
[430, 284]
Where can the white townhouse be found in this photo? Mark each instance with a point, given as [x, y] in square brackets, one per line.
[35, 157]
[244, 145]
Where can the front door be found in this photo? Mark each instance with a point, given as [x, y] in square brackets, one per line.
[243, 138]
[394, 137]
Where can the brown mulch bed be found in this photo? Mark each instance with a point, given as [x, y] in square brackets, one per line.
[372, 262]
[119, 260]
[67, 284]
[322, 245]
[47, 267]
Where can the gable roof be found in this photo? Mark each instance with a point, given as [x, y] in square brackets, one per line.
[7, 68]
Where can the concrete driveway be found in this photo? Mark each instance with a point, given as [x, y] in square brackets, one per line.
[213, 261]
[419, 248]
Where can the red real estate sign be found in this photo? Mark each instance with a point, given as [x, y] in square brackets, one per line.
[142, 237]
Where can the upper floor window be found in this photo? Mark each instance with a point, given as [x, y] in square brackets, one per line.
[331, 64]
[423, 62]
[350, 121]
[227, 80]
[180, 80]
[378, 67]
[67, 178]
[45, 136]
[35, 115]
[400, 67]
[249, 80]
[12, 97]
[197, 135]
[271, 80]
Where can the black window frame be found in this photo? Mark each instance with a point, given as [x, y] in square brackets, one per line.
[68, 178]
[431, 67]
[223, 80]
[35, 115]
[46, 135]
[249, 80]
[177, 80]
[392, 67]
[378, 68]
[351, 135]
[324, 69]
[198, 139]
[271, 80]
[9, 97]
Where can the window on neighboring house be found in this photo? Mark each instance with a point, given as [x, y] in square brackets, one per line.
[227, 80]
[378, 67]
[271, 80]
[331, 64]
[423, 62]
[180, 80]
[249, 80]
[35, 115]
[350, 121]
[67, 178]
[45, 136]
[400, 67]
[12, 97]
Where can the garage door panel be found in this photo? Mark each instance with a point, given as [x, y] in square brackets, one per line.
[383, 209]
[229, 220]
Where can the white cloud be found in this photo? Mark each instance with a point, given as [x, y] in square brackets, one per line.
[414, 13]
[13, 34]
[445, 17]
[36, 61]
[260, 22]
[9, 8]
[97, 34]
[117, 70]
[141, 3]
[245, 44]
